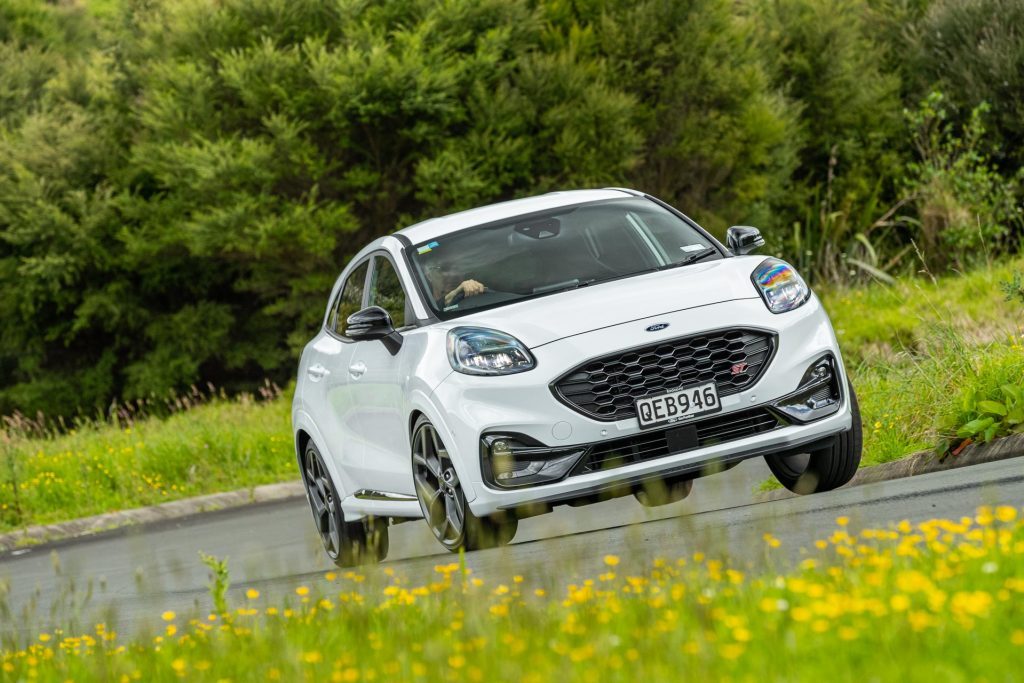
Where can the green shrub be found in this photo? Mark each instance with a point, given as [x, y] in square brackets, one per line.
[973, 51]
[968, 211]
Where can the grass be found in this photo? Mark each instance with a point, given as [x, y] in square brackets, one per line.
[915, 351]
[918, 349]
[219, 445]
[940, 600]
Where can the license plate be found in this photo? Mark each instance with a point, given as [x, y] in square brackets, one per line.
[674, 406]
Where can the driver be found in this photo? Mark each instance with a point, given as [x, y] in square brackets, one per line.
[442, 282]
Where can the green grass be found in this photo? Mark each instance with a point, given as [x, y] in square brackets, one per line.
[941, 600]
[217, 446]
[917, 349]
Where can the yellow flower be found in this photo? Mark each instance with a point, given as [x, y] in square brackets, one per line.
[330, 576]
[252, 594]
[456, 661]
[731, 650]
[44, 637]
[611, 560]
[1006, 513]
[178, 665]
[312, 657]
[842, 521]
[167, 616]
[302, 591]
[1017, 637]
[899, 602]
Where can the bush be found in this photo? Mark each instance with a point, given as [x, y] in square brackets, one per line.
[973, 50]
[967, 209]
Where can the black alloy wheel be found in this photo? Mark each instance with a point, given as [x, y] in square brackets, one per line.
[346, 543]
[443, 501]
[824, 469]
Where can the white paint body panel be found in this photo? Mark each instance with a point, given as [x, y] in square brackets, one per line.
[362, 426]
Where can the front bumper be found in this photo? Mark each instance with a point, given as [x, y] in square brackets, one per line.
[523, 404]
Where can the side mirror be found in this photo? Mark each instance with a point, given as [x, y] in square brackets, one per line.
[372, 323]
[743, 239]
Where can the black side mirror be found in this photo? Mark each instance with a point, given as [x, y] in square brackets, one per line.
[743, 239]
[372, 323]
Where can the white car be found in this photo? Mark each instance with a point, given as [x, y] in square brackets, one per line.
[483, 367]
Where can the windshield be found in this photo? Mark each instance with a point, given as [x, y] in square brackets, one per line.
[543, 253]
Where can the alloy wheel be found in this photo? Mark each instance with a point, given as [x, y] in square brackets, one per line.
[322, 501]
[437, 487]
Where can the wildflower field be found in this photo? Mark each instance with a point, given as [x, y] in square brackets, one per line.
[942, 600]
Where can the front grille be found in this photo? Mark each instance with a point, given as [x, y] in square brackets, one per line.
[605, 388]
[655, 444]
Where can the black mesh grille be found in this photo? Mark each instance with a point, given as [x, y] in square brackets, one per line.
[605, 388]
[655, 444]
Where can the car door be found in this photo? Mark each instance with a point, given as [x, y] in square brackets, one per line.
[329, 384]
[378, 377]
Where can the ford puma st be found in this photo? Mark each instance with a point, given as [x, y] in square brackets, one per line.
[482, 367]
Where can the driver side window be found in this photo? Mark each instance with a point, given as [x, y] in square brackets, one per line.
[350, 300]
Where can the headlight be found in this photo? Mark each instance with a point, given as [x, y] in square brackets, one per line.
[479, 351]
[780, 285]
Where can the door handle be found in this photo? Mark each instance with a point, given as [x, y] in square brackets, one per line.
[357, 369]
[317, 372]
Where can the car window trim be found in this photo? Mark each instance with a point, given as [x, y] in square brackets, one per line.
[341, 290]
[369, 283]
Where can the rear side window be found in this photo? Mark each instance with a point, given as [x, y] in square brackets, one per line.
[350, 300]
[386, 291]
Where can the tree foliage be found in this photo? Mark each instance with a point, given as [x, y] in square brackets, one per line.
[181, 180]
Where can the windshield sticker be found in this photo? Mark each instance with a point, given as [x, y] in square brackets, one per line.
[451, 308]
[427, 248]
[692, 247]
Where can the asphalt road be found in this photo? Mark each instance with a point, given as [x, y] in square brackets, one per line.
[128, 578]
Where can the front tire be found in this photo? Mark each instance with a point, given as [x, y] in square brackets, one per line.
[346, 543]
[443, 501]
[824, 469]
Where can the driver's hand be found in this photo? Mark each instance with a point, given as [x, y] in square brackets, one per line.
[472, 288]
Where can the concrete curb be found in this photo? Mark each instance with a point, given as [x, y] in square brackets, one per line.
[917, 463]
[176, 509]
[923, 462]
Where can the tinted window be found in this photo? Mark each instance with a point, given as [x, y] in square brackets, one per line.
[386, 291]
[575, 246]
[350, 300]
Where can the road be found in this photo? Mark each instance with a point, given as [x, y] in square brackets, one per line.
[129, 578]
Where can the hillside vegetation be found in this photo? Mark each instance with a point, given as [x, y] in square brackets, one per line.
[182, 180]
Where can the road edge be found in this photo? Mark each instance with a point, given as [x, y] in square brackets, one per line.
[922, 462]
[176, 509]
[914, 464]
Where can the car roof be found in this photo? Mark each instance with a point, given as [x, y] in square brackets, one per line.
[436, 227]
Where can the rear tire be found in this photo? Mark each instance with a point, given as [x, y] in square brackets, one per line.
[824, 469]
[346, 543]
[443, 501]
[663, 492]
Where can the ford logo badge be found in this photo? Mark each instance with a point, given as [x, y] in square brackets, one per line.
[657, 326]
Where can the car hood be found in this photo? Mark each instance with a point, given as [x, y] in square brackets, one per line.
[549, 318]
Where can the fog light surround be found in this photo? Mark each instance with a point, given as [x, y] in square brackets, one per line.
[818, 395]
[515, 461]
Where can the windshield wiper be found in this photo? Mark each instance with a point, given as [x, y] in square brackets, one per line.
[690, 258]
[566, 285]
